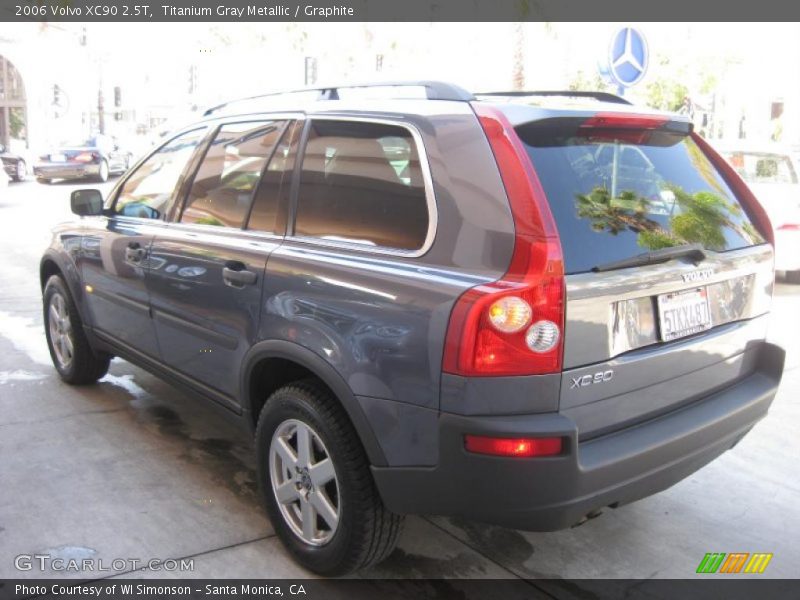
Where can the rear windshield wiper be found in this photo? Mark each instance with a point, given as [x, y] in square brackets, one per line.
[693, 251]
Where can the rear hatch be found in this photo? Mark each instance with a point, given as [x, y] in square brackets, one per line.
[668, 278]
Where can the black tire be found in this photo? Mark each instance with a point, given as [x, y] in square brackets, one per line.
[793, 277]
[44, 180]
[367, 532]
[85, 365]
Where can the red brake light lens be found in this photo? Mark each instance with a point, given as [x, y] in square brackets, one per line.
[84, 157]
[514, 447]
[473, 345]
[624, 121]
[790, 227]
[621, 127]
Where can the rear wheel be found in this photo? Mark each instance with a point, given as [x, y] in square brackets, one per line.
[21, 172]
[317, 486]
[72, 355]
[102, 174]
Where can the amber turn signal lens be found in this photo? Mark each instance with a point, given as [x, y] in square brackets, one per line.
[510, 314]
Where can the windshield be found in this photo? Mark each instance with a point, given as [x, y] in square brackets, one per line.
[613, 199]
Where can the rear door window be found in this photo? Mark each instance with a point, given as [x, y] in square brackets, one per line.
[270, 205]
[615, 198]
[362, 183]
[228, 176]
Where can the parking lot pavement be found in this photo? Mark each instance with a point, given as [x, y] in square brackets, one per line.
[133, 469]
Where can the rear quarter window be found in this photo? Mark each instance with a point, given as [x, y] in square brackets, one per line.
[615, 198]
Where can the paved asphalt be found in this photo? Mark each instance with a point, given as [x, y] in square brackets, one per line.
[133, 469]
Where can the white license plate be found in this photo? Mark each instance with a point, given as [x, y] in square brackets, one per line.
[683, 313]
[57, 158]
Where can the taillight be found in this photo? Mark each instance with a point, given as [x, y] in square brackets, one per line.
[747, 199]
[85, 157]
[628, 128]
[513, 326]
[519, 447]
[624, 121]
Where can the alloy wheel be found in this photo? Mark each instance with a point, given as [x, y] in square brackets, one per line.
[60, 330]
[304, 482]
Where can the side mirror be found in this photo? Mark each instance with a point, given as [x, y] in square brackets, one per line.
[86, 203]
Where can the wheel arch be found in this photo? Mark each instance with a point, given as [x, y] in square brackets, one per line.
[53, 264]
[305, 361]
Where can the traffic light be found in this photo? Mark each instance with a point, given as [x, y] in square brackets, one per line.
[56, 95]
[117, 96]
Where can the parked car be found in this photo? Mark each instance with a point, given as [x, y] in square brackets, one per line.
[510, 308]
[772, 174]
[14, 164]
[97, 157]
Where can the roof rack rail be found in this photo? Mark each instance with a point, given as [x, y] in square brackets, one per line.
[434, 90]
[601, 96]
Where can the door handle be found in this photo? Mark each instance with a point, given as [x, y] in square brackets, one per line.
[236, 274]
[134, 252]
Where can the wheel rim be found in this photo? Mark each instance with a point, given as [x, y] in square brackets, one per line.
[60, 330]
[21, 170]
[304, 482]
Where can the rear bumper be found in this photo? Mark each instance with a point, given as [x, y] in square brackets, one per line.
[546, 494]
[66, 171]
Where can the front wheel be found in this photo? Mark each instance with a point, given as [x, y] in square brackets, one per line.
[317, 486]
[72, 355]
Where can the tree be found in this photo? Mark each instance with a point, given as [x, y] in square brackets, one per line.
[582, 82]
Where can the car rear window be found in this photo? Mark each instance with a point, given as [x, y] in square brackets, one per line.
[615, 198]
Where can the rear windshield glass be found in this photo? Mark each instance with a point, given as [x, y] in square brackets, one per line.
[615, 198]
[763, 167]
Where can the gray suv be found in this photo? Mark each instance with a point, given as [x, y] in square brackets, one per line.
[518, 308]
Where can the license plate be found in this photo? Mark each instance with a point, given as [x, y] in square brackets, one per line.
[57, 158]
[683, 313]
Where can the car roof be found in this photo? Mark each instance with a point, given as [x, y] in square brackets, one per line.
[399, 100]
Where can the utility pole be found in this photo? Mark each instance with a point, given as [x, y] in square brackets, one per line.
[101, 107]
